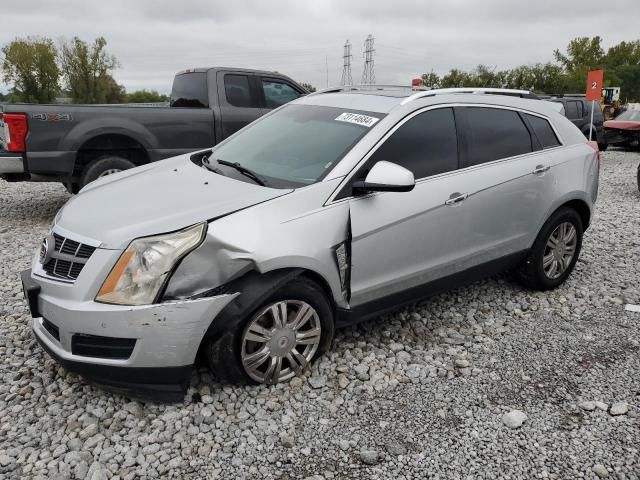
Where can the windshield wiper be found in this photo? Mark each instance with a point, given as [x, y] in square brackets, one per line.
[245, 171]
[207, 164]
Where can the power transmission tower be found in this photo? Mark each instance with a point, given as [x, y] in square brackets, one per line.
[346, 69]
[368, 75]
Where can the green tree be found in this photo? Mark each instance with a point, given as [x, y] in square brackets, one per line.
[87, 70]
[308, 87]
[29, 64]
[431, 79]
[114, 93]
[146, 96]
[456, 78]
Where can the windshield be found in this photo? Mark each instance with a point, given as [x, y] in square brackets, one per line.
[297, 145]
[631, 115]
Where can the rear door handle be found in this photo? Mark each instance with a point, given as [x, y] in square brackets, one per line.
[456, 198]
[541, 169]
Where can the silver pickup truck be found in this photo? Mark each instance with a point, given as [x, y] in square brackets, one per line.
[76, 144]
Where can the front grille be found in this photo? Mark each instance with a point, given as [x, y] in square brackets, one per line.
[51, 328]
[102, 347]
[68, 258]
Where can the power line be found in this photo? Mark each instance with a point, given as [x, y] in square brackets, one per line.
[346, 69]
[368, 74]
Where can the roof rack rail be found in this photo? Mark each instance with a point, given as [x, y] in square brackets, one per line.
[366, 87]
[477, 90]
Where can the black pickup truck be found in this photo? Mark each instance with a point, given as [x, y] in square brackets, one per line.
[75, 144]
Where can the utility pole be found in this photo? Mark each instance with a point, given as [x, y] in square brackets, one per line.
[368, 75]
[326, 66]
[346, 69]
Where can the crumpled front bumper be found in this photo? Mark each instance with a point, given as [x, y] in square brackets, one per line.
[165, 338]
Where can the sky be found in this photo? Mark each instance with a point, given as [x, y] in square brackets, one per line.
[153, 39]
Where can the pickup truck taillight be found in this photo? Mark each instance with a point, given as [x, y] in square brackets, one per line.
[15, 131]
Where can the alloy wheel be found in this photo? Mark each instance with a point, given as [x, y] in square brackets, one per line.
[559, 250]
[280, 341]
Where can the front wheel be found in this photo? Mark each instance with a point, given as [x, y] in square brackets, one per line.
[555, 251]
[278, 341]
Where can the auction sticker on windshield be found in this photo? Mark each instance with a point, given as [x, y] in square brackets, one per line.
[358, 119]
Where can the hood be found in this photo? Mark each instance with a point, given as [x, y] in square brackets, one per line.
[622, 124]
[160, 197]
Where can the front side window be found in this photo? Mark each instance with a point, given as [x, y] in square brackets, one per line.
[495, 133]
[426, 144]
[298, 144]
[277, 93]
[237, 90]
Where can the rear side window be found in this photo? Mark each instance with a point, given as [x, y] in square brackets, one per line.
[277, 93]
[238, 91]
[571, 110]
[495, 133]
[426, 144]
[542, 129]
[190, 90]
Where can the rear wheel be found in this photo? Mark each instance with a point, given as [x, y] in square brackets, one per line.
[103, 167]
[602, 146]
[555, 251]
[278, 341]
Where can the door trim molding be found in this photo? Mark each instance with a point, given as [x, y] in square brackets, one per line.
[382, 305]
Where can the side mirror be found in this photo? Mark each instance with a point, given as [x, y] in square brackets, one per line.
[385, 177]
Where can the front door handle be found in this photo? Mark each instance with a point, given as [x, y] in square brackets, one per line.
[456, 198]
[541, 169]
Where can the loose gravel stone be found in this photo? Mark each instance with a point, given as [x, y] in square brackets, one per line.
[619, 408]
[369, 457]
[600, 470]
[396, 386]
[514, 419]
[588, 406]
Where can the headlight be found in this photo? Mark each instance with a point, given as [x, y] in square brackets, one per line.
[143, 267]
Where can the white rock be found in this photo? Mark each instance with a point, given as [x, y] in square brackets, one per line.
[369, 457]
[600, 470]
[619, 408]
[318, 381]
[587, 405]
[514, 419]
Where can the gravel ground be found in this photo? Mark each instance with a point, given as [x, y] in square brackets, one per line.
[487, 381]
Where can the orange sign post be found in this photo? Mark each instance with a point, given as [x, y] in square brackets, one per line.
[594, 92]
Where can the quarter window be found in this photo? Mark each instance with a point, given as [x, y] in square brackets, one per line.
[543, 131]
[495, 133]
[237, 90]
[426, 144]
[277, 93]
[571, 110]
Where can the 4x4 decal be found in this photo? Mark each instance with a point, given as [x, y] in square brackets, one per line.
[52, 117]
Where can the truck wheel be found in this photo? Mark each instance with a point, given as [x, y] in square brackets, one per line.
[104, 166]
[602, 146]
[277, 341]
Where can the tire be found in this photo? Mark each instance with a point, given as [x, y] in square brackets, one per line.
[104, 166]
[533, 273]
[603, 146]
[225, 354]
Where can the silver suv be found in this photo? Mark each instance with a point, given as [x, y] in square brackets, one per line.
[329, 210]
